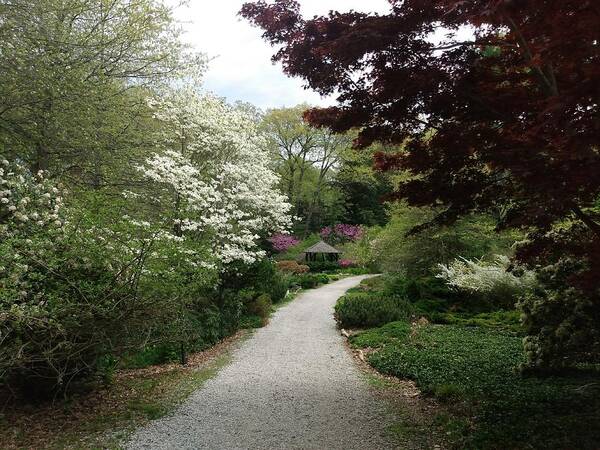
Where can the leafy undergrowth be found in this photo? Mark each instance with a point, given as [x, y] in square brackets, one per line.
[104, 418]
[489, 404]
[500, 320]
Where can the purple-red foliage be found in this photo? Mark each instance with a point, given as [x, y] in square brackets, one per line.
[282, 242]
[342, 232]
[506, 120]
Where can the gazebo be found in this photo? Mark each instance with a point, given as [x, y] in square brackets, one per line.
[326, 252]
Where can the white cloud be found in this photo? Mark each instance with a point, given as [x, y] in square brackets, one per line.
[242, 67]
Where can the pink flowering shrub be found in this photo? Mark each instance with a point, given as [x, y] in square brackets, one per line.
[341, 233]
[282, 242]
[345, 263]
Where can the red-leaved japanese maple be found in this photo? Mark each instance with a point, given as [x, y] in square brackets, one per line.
[506, 119]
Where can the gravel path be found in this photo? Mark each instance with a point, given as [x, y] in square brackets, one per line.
[292, 385]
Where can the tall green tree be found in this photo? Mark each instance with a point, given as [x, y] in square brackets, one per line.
[73, 79]
[307, 159]
[364, 189]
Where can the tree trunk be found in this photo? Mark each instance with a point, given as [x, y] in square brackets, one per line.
[42, 158]
[587, 220]
[311, 208]
[42, 154]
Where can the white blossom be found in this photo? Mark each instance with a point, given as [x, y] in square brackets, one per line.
[479, 276]
[215, 159]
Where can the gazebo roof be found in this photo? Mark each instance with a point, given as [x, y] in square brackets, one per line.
[322, 247]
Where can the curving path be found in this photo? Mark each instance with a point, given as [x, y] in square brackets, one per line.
[292, 385]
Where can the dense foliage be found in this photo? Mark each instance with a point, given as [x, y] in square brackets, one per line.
[357, 310]
[133, 206]
[78, 286]
[473, 370]
[395, 249]
[327, 182]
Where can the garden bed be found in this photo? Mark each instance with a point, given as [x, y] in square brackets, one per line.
[471, 367]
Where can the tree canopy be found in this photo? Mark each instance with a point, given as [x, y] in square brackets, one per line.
[506, 119]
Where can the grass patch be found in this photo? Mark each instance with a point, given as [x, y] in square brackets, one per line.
[378, 337]
[294, 252]
[492, 405]
[402, 430]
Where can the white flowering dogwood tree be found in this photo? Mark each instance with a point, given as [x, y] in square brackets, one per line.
[213, 159]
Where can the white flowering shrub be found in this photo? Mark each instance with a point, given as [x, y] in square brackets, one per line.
[99, 274]
[492, 279]
[30, 218]
[77, 284]
[215, 163]
[27, 202]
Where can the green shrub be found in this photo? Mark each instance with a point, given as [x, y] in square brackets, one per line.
[362, 310]
[562, 324]
[323, 266]
[415, 289]
[260, 307]
[245, 296]
[250, 322]
[501, 320]
[310, 280]
[374, 284]
[202, 324]
[263, 277]
[230, 313]
[280, 286]
[323, 278]
[357, 271]
[153, 355]
[432, 297]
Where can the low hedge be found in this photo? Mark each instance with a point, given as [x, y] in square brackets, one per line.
[363, 310]
[310, 280]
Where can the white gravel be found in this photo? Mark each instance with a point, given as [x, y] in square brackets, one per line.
[292, 385]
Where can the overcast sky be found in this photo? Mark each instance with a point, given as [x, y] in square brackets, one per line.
[242, 67]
